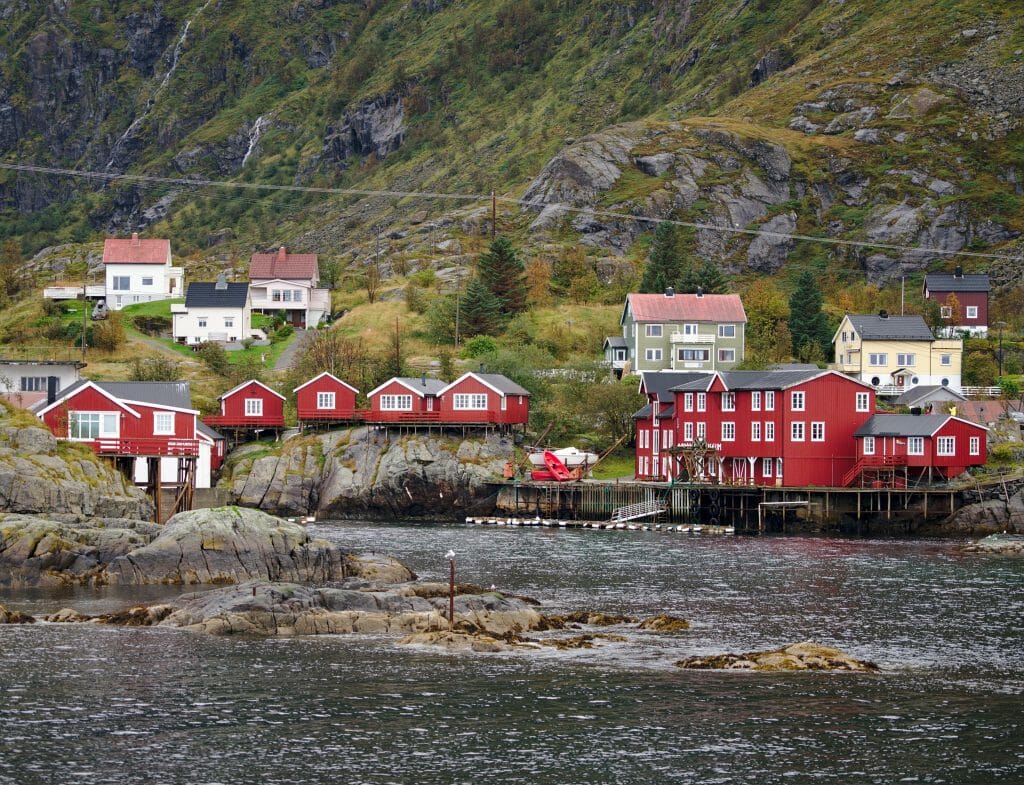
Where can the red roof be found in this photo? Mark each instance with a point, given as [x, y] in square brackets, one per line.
[288, 266]
[136, 251]
[686, 307]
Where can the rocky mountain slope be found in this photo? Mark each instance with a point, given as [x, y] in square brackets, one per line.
[848, 120]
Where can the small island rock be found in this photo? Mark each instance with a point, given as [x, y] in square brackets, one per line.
[796, 657]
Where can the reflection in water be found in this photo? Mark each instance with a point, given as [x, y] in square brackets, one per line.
[83, 703]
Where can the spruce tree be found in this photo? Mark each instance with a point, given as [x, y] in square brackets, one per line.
[710, 279]
[480, 310]
[503, 273]
[807, 322]
[665, 263]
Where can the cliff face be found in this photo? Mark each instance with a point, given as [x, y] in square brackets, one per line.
[361, 473]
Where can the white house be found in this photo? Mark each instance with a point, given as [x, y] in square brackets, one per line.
[26, 382]
[288, 282]
[138, 271]
[218, 311]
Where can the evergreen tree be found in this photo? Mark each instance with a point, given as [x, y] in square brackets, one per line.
[480, 310]
[665, 263]
[503, 273]
[807, 322]
[710, 278]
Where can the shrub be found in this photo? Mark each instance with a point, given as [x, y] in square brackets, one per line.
[109, 334]
[155, 369]
[213, 356]
[153, 325]
[479, 345]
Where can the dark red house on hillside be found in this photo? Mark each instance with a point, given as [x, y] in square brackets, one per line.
[921, 446]
[485, 399]
[249, 406]
[404, 399]
[972, 293]
[325, 398]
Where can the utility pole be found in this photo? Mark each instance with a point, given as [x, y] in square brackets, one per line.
[85, 310]
[903, 281]
[494, 215]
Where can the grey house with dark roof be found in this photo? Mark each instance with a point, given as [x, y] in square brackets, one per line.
[214, 311]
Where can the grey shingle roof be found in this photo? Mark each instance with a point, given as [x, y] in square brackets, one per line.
[767, 380]
[660, 383]
[875, 328]
[616, 342]
[503, 383]
[429, 386]
[172, 394]
[206, 429]
[664, 412]
[947, 282]
[205, 294]
[902, 425]
[925, 391]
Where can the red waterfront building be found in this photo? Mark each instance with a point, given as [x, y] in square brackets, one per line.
[404, 399]
[484, 399]
[249, 406]
[325, 398]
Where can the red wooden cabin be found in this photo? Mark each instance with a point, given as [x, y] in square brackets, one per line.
[404, 399]
[916, 446]
[971, 291]
[484, 399]
[250, 405]
[325, 398]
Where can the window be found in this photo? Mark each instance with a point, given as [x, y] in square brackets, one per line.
[693, 355]
[879, 358]
[755, 431]
[687, 402]
[687, 431]
[728, 402]
[796, 401]
[727, 331]
[755, 401]
[975, 445]
[796, 433]
[229, 321]
[120, 283]
[253, 407]
[817, 431]
[766, 467]
[769, 431]
[396, 403]
[702, 431]
[653, 330]
[275, 295]
[971, 312]
[325, 400]
[946, 311]
[702, 402]
[844, 336]
[92, 425]
[915, 445]
[905, 360]
[296, 295]
[769, 401]
[163, 423]
[863, 401]
[653, 355]
[869, 445]
[147, 281]
[728, 432]
[286, 295]
[946, 445]
[726, 355]
[504, 403]
[778, 467]
[469, 401]
[691, 329]
[945, 359]
[33, 383]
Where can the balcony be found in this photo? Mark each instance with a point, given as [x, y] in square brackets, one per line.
[147, 446]
[697, 339]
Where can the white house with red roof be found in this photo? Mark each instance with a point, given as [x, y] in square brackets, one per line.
[288, 282]
[139, 271]
[680, 332]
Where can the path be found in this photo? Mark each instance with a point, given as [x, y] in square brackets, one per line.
[284, 362]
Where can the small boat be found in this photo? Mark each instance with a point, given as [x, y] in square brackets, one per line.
[569, 456]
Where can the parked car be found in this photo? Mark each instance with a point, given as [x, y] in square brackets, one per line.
[99, 311]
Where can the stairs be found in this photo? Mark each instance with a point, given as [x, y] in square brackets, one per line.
[878, 471]
[641, 510]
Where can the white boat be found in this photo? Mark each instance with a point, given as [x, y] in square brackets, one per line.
[570, 456]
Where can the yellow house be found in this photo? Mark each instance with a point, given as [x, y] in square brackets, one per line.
[895, 353]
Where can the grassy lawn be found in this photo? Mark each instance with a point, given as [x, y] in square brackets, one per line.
[155, 308]
[618, 464]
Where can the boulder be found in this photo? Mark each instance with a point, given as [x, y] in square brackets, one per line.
[664, 623]
[14, 617]
[796, 657]
[1006, 544]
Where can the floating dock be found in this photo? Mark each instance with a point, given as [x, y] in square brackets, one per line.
[550, 523]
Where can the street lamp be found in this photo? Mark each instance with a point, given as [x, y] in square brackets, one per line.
[1001, 326]
[450, 556]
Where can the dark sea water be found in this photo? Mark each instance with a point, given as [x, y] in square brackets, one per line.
[92, 704]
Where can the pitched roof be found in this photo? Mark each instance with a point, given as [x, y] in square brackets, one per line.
[664, 413]
[685, 308]
[501, 383]
[205, 294]
[616, 342]
[320, 376]
[165, 395]
[767, 380]
[281, 264]
[208, 432]
[980, 412]
[947, 282]
[660, 383]
[136, 251]
[417, 384]
[926, 392]
[246, 383]
[905, 424]
[873, 327]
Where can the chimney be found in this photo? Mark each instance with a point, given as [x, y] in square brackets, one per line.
[423, 378]
[135, 239]
[222, 283]
[700, 291]
[670, 292]
[915, 410]
[958, 272]
[883, 314]
[51, 389]
[482, 368]
[281, 254]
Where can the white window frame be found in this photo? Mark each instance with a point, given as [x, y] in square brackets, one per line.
[769, 431]
[971, 312]
[687, 402]
[766, 467]
[108, 425]
[652, 355]
[201, 322]
[797, 401]
[702, 431]
[817, 431]
[688, 432]
[727, 331]
[325, 400]
[396, 403]
[796, 431]
[653, 331]
[975, 445]
[869, 445]
[229, 322]
[878, 359]
[726, 355]
[946, 311]
[915, 445]
[863, 402]
[692, 355]
[769, 400]
[755, 431]
[728, 431]
[906, 360]
[504, 403]
[945, 359]
[167, 429]
[945, 446]
[469, 402]
[33, 384]
[755, 401]
[253, 407]
[120, 283]
[728, 402]
[702, 402]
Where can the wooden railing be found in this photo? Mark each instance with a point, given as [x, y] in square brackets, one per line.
[147, 446]
[872, 462]
[233, 421]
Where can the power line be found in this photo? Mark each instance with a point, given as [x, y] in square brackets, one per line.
[463, 197]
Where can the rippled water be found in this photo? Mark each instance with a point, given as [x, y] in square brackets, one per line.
[88, 704]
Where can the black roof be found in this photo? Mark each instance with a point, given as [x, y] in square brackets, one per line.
[947, 282]
[754, 380]
[878, 328]
[175, 395]
[661, 383]
[664, 412]
[205, 294]
[902, 425]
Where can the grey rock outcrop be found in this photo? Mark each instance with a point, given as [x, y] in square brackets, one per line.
[771, 63]
[1005, 544]
[375, 127]
[768, 251]
[796, 657]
